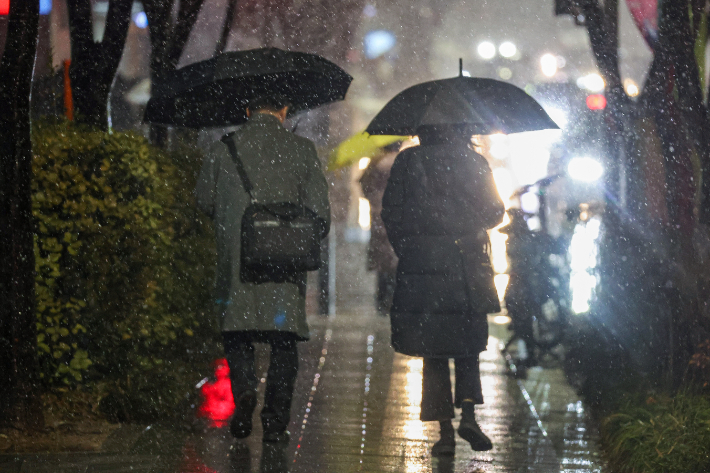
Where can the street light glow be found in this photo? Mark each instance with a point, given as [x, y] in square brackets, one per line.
[487, 50]
[558, 116]
[585, 169]
[592, 82]
[583, 253]
[141, 20]
[631, 88]
[507, 49]
[363, 217]
[548, 65]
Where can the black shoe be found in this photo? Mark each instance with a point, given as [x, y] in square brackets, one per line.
[276, 436]
[472, 433]
[444, 448]
[240, 426]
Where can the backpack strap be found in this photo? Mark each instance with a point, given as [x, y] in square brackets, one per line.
[246, 183]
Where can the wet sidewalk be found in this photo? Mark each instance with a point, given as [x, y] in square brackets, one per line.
[356, 408]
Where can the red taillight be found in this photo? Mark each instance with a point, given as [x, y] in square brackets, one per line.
[596, 102]
[4, 7]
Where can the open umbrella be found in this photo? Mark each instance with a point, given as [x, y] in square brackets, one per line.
[360, 145]
[215, 92]
[483, 106]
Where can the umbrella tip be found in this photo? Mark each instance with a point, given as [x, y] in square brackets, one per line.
[460, 67]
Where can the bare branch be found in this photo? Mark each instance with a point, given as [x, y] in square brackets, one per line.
[226, 27]
[187, 16]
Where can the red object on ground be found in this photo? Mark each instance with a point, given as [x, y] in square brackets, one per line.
[596, 102]
[217, 404]
[4, 7]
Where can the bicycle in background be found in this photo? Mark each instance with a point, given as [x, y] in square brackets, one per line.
[537, 297]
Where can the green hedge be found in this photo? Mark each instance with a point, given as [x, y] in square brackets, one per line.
[124, 268]
[665, 435]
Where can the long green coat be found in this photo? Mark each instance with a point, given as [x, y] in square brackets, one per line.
[279, 165]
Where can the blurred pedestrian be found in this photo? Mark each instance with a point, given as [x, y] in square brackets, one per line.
[380, 255]
[282, 167]
[438, 204]
[523, 251]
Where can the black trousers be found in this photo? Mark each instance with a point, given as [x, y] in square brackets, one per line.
[280, 378]
[436, 386]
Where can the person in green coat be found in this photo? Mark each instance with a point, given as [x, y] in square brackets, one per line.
[282, 167]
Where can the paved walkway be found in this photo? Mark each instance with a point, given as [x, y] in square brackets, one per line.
[356, 408]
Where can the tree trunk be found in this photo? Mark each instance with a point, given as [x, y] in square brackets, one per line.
[684, 121]
[94, 65]
[167, 44]
[90, 93]
[18, 361]
[602, 26]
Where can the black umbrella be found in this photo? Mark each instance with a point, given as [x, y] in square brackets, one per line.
[481, 106]
[216, 92]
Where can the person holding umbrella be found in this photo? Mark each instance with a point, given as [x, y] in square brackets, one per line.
[282, 167]
[439, 201]
[380, 255]
[260, 162]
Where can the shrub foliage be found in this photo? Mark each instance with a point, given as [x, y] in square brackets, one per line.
[124, 267]
[665, 435]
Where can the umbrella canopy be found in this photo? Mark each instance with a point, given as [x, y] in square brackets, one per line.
[216, 92]
[483, 106]
[361, 145]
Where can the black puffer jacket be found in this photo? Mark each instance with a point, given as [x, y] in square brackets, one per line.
[436, 194]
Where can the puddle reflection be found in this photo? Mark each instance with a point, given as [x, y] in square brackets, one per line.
[215, 451]
[416, 446]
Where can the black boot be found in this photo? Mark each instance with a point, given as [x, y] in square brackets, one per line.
[469, 429]
[241, 425]
[446, 446]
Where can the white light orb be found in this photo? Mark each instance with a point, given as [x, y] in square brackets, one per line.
[486, 50]
[631, 88]
[548, 65]
[507, 49]
[592, 82]
[585, 169]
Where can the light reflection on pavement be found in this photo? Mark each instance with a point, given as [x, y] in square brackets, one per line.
[356, 408]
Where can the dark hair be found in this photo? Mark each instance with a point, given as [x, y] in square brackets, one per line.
[268, 102]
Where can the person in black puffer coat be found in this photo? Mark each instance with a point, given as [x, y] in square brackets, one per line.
[439, 201]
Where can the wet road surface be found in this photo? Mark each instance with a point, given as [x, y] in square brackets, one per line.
[356, 408]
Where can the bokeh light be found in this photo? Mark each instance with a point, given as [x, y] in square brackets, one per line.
[487, 50]
[585, 169]
[592, 82]
[548, 65]
[507, 49]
